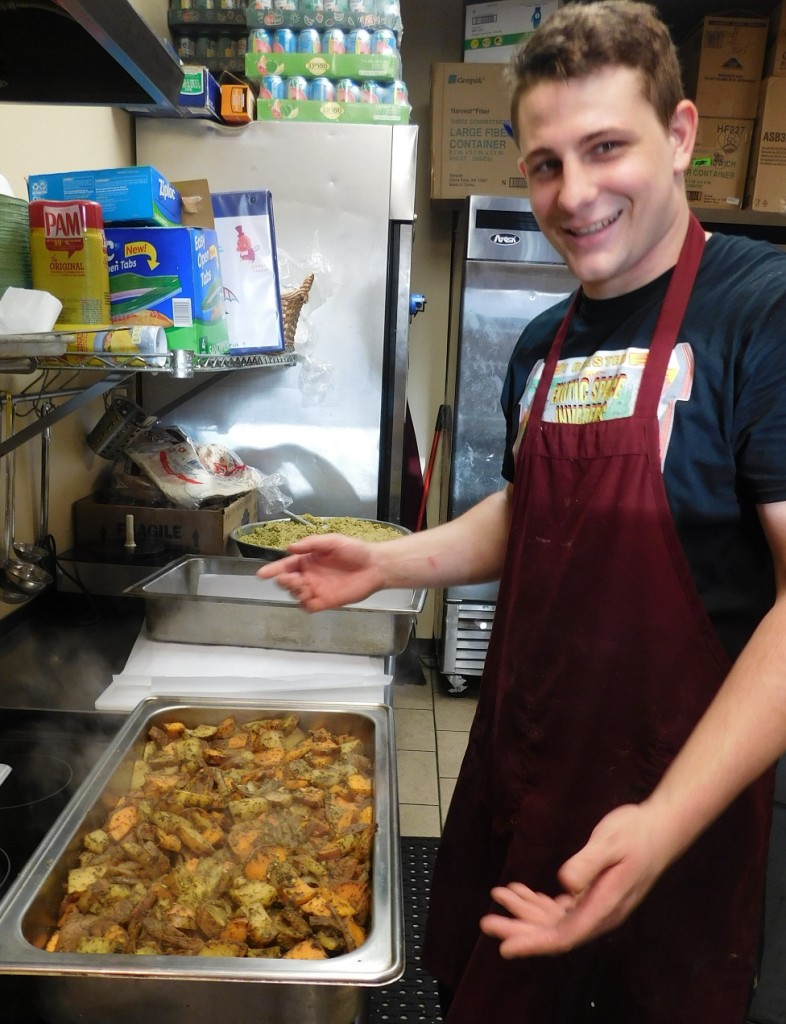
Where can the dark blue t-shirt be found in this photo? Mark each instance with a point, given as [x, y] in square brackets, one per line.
[722, 414]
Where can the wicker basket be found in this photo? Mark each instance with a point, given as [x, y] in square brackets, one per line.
[291, 305]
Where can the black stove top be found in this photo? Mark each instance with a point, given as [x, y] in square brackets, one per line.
[50, 753]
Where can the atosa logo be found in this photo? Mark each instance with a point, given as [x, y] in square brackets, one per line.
[501, 238]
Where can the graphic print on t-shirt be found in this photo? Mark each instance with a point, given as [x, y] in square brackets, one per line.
[604, 386]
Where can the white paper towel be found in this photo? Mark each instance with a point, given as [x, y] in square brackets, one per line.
[155, 668]
[28, 311]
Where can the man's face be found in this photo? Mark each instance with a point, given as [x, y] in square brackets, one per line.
[605, 177]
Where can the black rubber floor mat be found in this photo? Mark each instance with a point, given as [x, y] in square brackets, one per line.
[414, 997]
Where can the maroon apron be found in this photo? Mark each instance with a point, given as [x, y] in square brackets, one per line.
[601, 662]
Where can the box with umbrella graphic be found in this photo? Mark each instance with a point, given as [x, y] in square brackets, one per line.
[170, 278]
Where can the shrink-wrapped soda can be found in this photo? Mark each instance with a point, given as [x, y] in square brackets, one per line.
[309, 41]
[284, 41]
[359, 41]
[297, 87]
[273, 87]
[259, 41]
[372, 92]
[384, 41]
[322, 89]
[397, 93]
[347, 91]
[334, 41]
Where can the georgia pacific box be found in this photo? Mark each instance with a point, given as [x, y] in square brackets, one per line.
[722, 64]
[101, 527]
[471, 153]
[719, 165]
[765, 189]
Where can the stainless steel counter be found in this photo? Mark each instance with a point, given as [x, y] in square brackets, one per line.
[60, 651]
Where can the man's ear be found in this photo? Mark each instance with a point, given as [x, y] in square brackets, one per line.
[522, 168]
[682, 132]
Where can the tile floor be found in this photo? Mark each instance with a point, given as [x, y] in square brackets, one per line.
[431, 736]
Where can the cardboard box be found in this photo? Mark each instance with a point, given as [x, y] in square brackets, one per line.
[722, 64]
[237, 100]
[493, 31]
[100, 526]
[200, 95]
[719, 167]
[128, 195]
[471, 152]
[765, 189]
[170, 278]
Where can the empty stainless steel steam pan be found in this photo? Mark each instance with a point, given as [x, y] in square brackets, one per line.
[129, 989]
[220, 600]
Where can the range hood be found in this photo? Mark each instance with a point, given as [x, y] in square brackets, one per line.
[94, 52]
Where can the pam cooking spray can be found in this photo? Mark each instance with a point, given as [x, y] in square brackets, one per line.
[69, 260]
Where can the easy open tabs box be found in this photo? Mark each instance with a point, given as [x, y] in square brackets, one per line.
[170, 278]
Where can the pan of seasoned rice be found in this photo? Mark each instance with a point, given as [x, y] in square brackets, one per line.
[268, 541]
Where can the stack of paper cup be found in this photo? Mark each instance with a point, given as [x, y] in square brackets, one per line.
[149, 342]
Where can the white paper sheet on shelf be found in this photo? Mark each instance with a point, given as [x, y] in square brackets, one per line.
[155, 668]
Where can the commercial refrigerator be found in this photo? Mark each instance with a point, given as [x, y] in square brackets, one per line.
[331, 426]
[504, 273]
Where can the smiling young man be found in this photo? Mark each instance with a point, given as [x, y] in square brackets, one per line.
[616, 793]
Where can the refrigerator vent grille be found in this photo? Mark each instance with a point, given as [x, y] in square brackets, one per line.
[466, 637]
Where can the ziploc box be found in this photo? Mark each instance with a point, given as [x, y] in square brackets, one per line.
[128, 195]
[249, 268]
[170, 278]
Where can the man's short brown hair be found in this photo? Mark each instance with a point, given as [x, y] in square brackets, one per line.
[583, 38]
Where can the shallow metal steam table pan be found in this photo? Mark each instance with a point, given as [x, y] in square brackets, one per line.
[125, 988]
[220, 600]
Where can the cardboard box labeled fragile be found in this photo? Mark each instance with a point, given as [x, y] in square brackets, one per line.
[719, 166]
[722, 62]
[493, 31]
[765, 189]
[101, 527]
[471, 153]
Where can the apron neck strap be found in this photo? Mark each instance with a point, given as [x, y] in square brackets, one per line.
[672, 313]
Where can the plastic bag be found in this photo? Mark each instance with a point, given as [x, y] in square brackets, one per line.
[190, 473]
